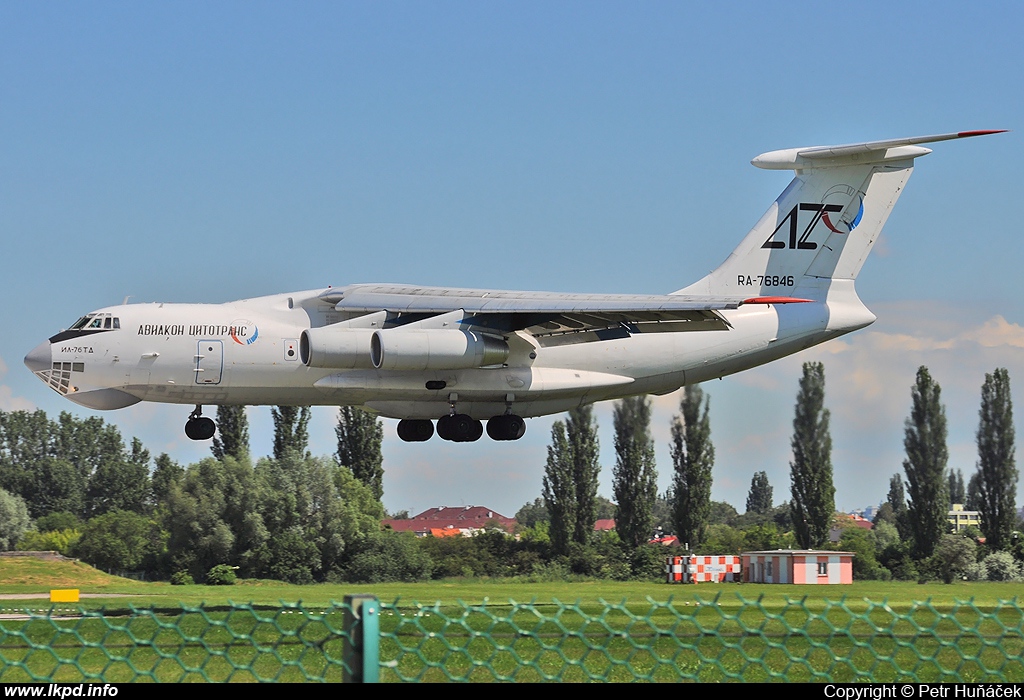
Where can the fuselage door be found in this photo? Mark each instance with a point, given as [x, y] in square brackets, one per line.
[209, 361]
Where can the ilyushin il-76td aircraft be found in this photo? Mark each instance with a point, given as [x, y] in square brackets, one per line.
[463, 356]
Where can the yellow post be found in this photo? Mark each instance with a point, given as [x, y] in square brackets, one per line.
[65, 595]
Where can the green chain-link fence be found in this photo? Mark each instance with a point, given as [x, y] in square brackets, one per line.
[361, 639]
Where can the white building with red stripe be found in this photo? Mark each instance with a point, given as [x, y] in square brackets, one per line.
[803, 566]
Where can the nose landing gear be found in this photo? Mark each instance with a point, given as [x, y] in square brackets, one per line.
[199, 427]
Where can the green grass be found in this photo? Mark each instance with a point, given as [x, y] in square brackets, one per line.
[487, 630]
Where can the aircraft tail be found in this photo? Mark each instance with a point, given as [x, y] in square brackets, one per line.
[824, 224]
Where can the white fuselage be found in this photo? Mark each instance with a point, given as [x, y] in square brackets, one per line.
[247, 353]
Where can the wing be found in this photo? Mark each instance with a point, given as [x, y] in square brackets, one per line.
[552, 318]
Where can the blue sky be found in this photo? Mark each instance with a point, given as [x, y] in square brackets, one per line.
[215, 151]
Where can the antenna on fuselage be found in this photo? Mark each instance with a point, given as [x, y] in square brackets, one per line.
[125, 302]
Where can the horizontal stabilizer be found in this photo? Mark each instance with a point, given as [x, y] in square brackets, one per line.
[857, 153]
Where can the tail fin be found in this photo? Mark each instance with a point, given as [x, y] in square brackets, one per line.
[824, 224]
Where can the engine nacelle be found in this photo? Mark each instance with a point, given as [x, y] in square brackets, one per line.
[445, 348]
[336, 348]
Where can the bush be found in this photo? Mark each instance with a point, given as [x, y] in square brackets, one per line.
[62, 541]
[1001, 566]
[182, 578]
[121, 541]
[221, 575]
[389, 556]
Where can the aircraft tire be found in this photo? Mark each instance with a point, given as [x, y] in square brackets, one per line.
[516, 428]
[415, 430]
[464, 428]
[200, 428]
[444, 428]
[508, 427]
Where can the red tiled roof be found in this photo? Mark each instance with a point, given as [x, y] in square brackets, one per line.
[451, 518]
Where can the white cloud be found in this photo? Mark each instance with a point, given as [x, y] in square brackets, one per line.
[8, 401]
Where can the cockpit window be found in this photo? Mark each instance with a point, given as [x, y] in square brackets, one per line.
[97, 322]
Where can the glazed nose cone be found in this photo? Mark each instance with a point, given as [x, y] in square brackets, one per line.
[39, 358]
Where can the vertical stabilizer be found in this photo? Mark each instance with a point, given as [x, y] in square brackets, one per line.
[824, 224]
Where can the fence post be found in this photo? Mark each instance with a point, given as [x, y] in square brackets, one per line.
[362, 640]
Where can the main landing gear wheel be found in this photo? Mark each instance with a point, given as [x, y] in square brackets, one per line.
[507, 427]
[199, 427]
[415, 430]
[459, 428]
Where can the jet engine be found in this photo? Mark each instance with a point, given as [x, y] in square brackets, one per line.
[336, 348]
[419, 349]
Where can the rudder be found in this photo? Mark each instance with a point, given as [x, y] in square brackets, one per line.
[824, 224]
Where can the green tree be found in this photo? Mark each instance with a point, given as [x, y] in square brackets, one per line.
[897, 499]
[974, 492]
[532, 513]
[166, 474]
[865, 564]
[559, 491]
[957, 490]
[996, 461]
[953, 557]
[722, 513]
[232, 437]
[693, 456]
[605, 508]
[635, 477]
[291, 430]
[759, 498]
[14, 520]
[581, 435]
[813, 492]
[213, 517]
[359, 436]
[925, 466]
[53, 485]
[120, 483]
[120, 541]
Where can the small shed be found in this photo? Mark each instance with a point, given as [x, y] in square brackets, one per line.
[804, 566]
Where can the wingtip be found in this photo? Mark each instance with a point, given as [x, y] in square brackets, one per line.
[980, 132]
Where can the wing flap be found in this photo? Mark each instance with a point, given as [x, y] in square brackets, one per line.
[552, 318]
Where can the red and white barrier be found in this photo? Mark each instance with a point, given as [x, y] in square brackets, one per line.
[702, 569]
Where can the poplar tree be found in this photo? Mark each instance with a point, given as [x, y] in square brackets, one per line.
[559, 491]
[925, 444]
[232, 437]
[898, 500]
[693, 456]
[290, 430]
[360, 434]
[759, 498]
[997, 465]
[581, 435]
[957, 490]
[635, 477]
[811, 469]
